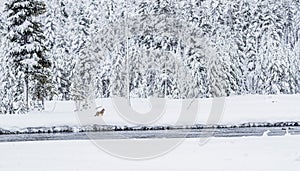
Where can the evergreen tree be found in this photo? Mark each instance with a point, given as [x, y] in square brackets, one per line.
[26, 51]
[83, 89]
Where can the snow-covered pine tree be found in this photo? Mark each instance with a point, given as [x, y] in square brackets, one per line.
[119, 85]
[83, 84]
[240, 18]
[52, 31]
[103, 81]
[166, 80]
[11, 101]
[290, 66]
[2, 34]
[119, 54]
[84, 49]
[26, 49]
[271, 48]
[70, 38]
[139, 51]
[63, 60]
[291, 21]
[297, 65]
[218, 73]
[191, 31]
[135, 71]
[42, 85]
[154, 33]
[2, 26]
[291, 18]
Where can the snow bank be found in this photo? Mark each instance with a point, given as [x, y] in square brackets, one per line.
[238, 110]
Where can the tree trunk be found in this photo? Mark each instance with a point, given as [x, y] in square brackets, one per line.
[27, 89]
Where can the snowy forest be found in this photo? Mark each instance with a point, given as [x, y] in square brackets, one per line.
[83, 49]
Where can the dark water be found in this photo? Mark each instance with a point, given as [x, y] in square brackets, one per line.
[180, 133]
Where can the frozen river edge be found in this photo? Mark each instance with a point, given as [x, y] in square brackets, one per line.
[148, 132]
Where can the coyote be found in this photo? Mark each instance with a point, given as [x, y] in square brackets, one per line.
[100, 113]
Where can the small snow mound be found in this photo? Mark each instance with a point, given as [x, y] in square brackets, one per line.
[266, 133]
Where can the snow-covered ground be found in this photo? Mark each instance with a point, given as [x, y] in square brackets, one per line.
[238, 153]
[251, 153]
[237, 110]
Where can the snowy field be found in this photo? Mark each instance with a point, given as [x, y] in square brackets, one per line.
[251, 153]
[237, 110]
[235, 153]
